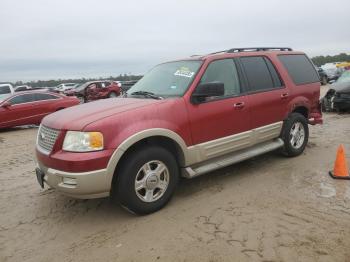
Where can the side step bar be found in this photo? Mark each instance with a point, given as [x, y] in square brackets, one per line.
[229, 159]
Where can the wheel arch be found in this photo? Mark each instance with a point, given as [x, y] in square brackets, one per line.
[158, 136]
[303, 110]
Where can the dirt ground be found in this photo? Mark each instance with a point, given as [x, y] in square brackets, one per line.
[269, 208]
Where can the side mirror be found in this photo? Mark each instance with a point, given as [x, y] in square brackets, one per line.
[6, 104]
[207, 90]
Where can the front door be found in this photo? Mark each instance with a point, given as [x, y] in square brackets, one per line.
[217, 119]
[20, 112]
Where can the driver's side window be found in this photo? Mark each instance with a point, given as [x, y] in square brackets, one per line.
[223, 71]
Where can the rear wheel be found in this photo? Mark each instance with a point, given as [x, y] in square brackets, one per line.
[295, 134]
[146, 179]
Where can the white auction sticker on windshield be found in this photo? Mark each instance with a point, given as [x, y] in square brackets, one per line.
[185, 72]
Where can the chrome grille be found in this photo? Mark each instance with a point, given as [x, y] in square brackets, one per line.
[47, 138]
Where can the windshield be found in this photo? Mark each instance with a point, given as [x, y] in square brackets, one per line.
[345, 77]
[168, 79]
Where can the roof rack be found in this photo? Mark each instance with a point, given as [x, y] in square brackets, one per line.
[253, 49]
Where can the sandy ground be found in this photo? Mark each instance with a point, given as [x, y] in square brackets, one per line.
[269, 208]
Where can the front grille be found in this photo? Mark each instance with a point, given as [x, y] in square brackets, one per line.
[47, 138]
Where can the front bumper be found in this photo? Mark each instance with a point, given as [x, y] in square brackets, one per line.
[85, 185]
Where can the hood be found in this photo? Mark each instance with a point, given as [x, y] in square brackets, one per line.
[341, 87]
[78, 117]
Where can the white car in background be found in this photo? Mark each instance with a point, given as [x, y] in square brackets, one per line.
[6, 90]
[65, 86]
[22, 88]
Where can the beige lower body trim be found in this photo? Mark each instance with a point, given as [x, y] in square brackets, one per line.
[205, 151]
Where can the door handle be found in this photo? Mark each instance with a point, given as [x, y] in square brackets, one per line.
[284, 96]
[238, 105]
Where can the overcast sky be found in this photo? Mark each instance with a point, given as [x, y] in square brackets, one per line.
[51, 39]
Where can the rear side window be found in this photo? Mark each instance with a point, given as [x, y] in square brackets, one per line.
[300, 69]
[223, 71]
[21, 99]
[260, 72]
[39, 97]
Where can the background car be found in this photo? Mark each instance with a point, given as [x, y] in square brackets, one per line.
[333, 72]
[6, 90]
[28, 108]
[95, 90]
[65, 86]
[126, 85]
[29, 88]
[22, 88]
[323, 76]
[338, 96]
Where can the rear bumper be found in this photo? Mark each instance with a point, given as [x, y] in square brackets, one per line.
[315, 119]
[85, 185]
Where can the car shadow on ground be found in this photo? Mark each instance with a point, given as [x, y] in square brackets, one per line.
[216, 179]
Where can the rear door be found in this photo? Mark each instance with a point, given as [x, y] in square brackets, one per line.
[268, 96]
[21, 111]
[91, 91]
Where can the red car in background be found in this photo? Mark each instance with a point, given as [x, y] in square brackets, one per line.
[29, 108]
[95, 90]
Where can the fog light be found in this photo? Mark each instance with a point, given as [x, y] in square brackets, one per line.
[69, 181]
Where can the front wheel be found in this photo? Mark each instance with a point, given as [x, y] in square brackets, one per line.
[147, 179]
[81, 99]
[295, 134]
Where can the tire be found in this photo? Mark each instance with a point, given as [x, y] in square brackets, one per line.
[138, 170]
[81, 99]
[112, 95]
[295, 141]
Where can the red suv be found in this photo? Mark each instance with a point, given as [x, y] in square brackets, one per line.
[95, 90]
[183, 118]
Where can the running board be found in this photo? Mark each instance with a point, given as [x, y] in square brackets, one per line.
[232, 158]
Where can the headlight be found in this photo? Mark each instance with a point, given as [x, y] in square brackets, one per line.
[75, 141]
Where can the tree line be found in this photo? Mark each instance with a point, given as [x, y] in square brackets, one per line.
[321, 60]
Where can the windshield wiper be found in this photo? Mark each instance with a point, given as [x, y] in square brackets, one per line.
[146, 94]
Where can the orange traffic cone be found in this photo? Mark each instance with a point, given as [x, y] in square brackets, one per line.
[341, 170]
